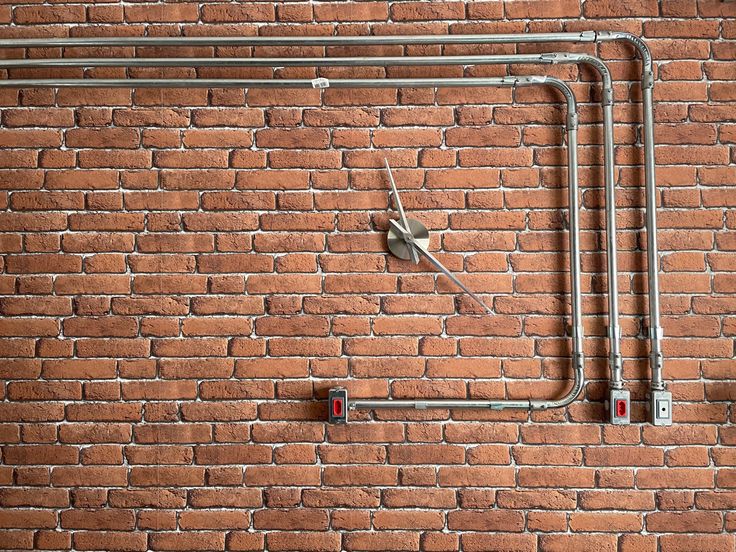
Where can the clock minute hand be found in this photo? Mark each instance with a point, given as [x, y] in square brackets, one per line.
[432, 259]
[406, 233]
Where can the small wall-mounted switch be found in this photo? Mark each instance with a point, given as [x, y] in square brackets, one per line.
[660, 408]
[337, 405]
[619, 406]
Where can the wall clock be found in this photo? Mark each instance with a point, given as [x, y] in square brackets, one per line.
[408, 239]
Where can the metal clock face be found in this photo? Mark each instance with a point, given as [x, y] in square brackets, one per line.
[400, 248]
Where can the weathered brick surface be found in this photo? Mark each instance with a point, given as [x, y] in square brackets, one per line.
[185, 273]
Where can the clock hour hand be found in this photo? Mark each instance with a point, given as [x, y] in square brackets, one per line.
[432, 259]
[405, 232]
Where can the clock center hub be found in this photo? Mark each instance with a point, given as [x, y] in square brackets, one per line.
[398, 245]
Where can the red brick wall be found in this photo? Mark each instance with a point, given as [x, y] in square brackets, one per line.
[185, 273]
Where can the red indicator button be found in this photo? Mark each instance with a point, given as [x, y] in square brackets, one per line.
[337, 409]
[620, 408]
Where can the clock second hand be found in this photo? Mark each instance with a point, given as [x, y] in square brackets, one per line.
[432, 259]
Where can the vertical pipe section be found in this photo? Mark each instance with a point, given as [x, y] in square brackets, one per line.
[655, 327]
[576, 300]
[574, 238]
[609, 173]
[614, 328]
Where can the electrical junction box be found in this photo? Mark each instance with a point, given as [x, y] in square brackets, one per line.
[660, 408]
[337, 405]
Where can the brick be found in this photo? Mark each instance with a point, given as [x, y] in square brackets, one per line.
[426, 454]
[49, 14]
[169, 284]
[73, 476]
[419, 498]
[32, 222]
[282, 475]
[560, 435]
[41, 454]
[682, 434]
[619, 500]
[363, 475]
[44, 391]
[115, 520]
[221, 519]
[288, 519]
[558, 543]
[224, 13]
[308, 541]
[395, 540]
[547, 10]
[556, 477]
[623, 456]
[188, 541]
[685, 522]
[681, 543]
[684, 478]
[175, 13]
[486, 520]
[548, 499]
[475, 476]
[511, 541]
[111, 540]
[605, 522]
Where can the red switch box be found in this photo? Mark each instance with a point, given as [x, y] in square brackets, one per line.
[337, 412]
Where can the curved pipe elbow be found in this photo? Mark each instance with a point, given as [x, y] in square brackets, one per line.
[572, 106]
[577, 386]
[638, 42]
[606, 79]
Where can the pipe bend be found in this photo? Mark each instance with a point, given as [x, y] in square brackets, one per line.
[577, 386]
[599, 65]
[638, 42]
[606, 80]
[563, 87]
[572, 106]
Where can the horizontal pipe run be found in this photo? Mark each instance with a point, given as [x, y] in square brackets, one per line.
[375, 404]
[504, 82]
[268, 62]
[382, 61]
[225, 41]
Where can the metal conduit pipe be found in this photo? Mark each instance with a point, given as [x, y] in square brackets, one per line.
[647, 83]
[660, 399]
[503, 82]
[362, 40]
[614, 335]
[578, 362]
